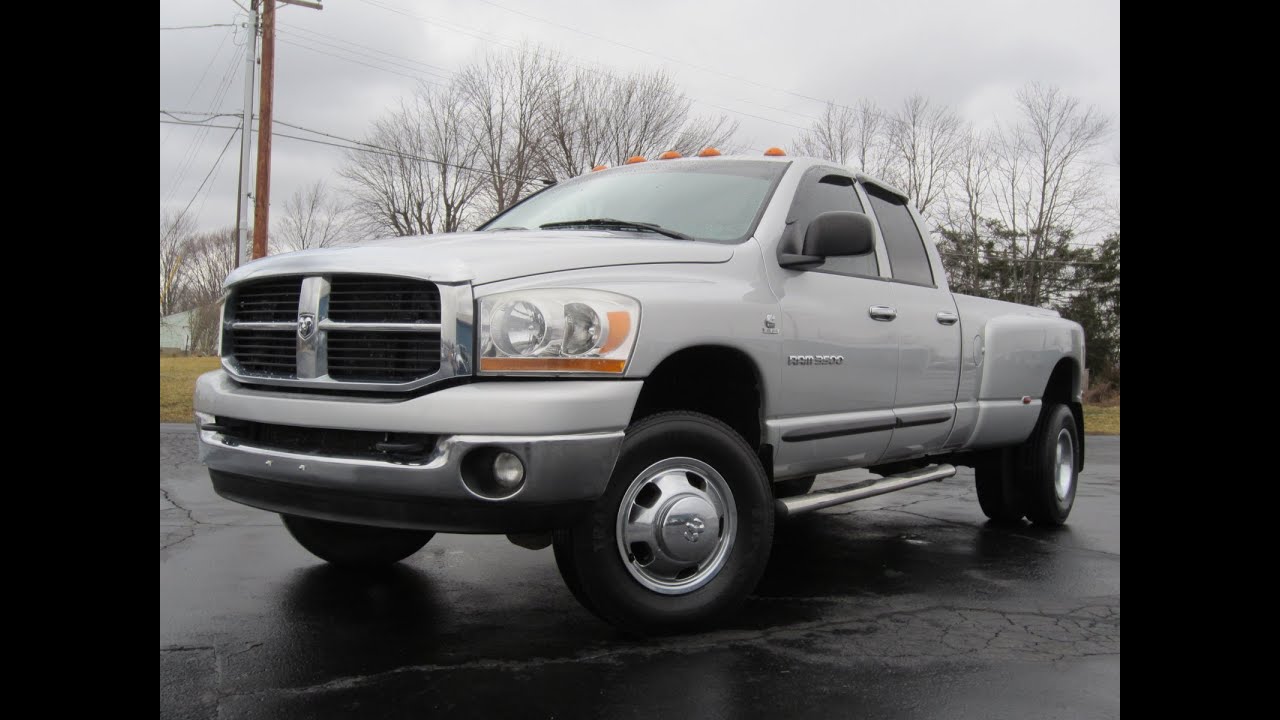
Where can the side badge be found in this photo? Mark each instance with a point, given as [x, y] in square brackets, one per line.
[771, 325]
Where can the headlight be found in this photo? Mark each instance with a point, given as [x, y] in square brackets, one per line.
[557, 331]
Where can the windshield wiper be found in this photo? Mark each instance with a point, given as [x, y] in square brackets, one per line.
[506, 227]
[612, 223]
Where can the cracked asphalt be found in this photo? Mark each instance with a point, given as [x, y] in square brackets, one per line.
[904, 605]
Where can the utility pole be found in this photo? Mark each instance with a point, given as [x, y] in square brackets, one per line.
[246, 139]
[262, 198]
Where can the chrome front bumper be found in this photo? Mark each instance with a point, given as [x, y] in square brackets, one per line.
[566, 467]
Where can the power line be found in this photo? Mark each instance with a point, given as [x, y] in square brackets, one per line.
[173, 114]
[197, 141]
[202, 182]
[385, 61]
[420, 78]
[442, 70]
[882, 115]
[493, 39]
[646, 52]
[197, 27]
[361, 146]
[200, 83]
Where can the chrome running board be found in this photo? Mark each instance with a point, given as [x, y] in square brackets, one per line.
[788, 507]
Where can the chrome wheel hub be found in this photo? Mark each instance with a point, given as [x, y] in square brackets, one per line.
[676, 525]
[1064, 467]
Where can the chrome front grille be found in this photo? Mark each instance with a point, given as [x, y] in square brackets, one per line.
[347, 331]
[274, 300]
[267, 353]
[382, 356]
[364, 298]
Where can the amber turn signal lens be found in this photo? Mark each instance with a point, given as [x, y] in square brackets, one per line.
[619, 330]
[510, 364]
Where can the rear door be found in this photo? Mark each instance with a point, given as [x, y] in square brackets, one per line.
[928, 331]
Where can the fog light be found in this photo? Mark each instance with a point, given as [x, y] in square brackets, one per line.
[508, 471]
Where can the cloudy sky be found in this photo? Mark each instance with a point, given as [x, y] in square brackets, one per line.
[340, 67]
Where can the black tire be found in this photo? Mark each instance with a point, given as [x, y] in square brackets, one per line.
[1045, 500]
[793, 487]
[561, 548]
[592, 563]
[354, 546]
[998, 488]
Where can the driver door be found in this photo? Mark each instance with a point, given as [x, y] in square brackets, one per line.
[839, 364]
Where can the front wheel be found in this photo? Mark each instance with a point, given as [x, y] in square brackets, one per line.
[359, 546]
[681, 534]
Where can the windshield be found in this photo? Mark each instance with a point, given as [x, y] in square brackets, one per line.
[715, 200]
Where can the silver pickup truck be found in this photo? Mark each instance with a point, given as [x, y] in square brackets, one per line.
[643, 367]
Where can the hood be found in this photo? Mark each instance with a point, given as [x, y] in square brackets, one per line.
[484, 257]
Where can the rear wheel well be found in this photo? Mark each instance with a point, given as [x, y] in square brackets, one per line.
[719, 381]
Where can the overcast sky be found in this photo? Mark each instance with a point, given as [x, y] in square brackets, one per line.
[340, 67]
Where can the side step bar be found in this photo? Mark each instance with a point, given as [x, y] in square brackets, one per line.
[792, 506]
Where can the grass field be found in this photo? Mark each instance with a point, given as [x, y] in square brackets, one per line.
[178, 380]
[177, 384]
[1102, 419]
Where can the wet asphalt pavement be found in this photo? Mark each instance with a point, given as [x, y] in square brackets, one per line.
[904, 605]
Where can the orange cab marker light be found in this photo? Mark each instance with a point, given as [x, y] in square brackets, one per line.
[774, 152]
[603, 365]
[619, 329]
[598, 168]
[635, 159]
[669, 155]
[709, 152]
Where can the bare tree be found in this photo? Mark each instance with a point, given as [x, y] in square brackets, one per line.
[830, 137]
[594, 118]
[647, 114]
[505, 95]
[574, 128]
[845, 135]
[456, 183]
[966, 201]
[393, 189]
[175, 231]
[212, 258]
[313, 218]
[424, 180]
[922, 139]
[1047, 189]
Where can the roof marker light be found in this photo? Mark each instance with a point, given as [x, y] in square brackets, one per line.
[669, 155]
[635, 159]
[598, 168]
[774, 152]
[709, 152]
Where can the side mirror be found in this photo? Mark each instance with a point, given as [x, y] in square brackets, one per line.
[840, 232]
[836, 233]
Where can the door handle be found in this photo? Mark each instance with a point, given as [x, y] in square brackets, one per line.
[948, 318]
[883, 313]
